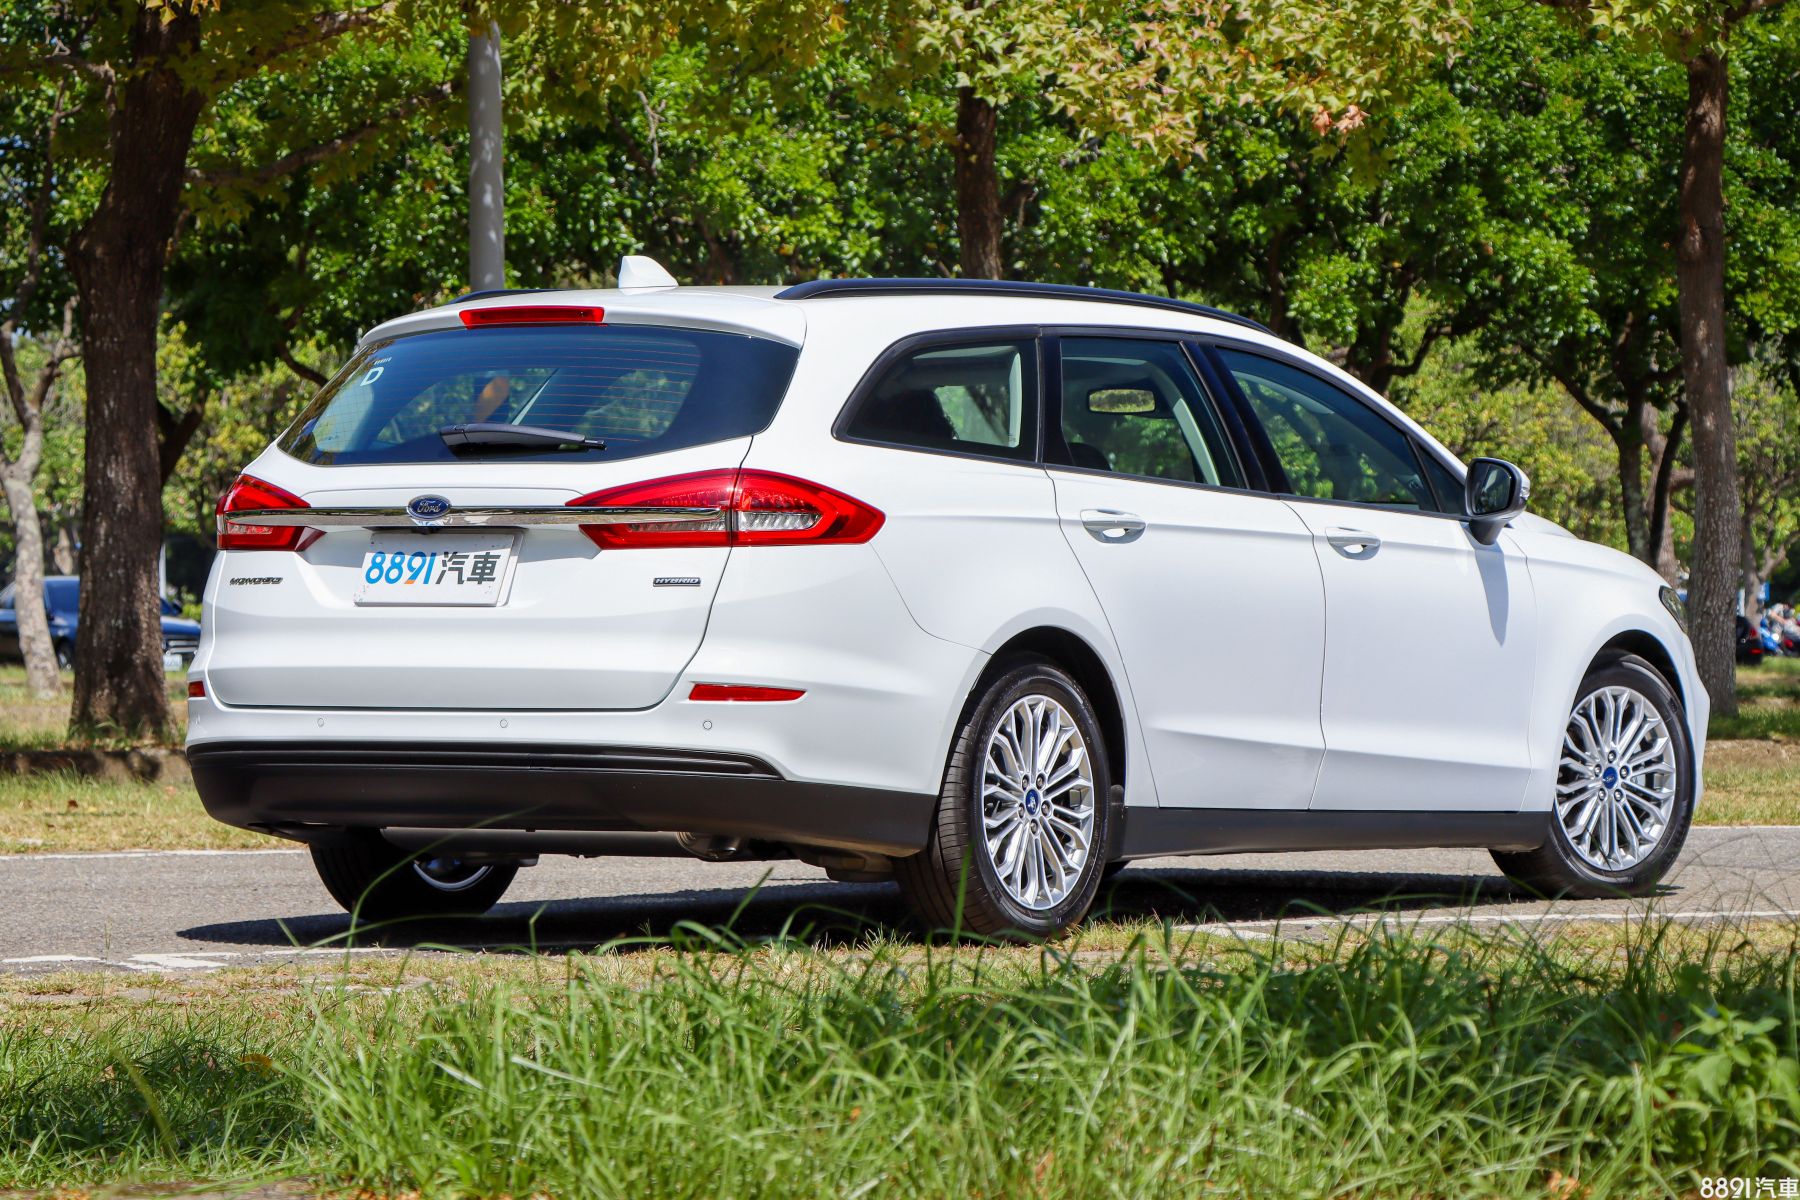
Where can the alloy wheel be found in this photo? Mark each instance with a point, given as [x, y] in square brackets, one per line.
[1616, 787]
[1037, 802]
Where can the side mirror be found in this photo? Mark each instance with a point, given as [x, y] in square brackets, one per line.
[1494, 493]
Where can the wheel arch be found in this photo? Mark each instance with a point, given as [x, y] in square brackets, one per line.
[1073, 654]
[1646, 646]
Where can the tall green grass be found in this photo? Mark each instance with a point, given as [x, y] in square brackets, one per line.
[1396, 1066]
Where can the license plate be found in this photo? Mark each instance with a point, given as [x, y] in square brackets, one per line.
[473, 570]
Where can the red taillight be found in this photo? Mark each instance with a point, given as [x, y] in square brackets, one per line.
[248, 494]
[742, 691]
[196, 690]
[532, 314]
[757, 508]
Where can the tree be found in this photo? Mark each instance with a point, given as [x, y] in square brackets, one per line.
[1144, 72]
[1767, 410]
[1698, 35]
[36, 120]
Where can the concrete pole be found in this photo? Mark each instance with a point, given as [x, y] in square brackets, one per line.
[487, 188]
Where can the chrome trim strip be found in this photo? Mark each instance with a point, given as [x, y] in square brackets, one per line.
[463, 518]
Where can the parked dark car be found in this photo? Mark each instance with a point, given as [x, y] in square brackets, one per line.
[62, 601]
[1750, 648]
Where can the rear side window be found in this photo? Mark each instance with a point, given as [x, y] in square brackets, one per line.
[640, 389]
[971, 398]
[1136, 407]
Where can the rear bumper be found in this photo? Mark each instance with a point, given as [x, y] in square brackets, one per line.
[300, 790]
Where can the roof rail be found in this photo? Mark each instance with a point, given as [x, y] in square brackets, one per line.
[490, 292]
[815, 288]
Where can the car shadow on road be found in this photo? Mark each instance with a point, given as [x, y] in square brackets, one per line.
[834, 914]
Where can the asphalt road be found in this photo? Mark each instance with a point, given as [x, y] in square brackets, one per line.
[201, 910]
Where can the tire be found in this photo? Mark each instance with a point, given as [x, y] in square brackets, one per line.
[1582, 863]
[957, 861]
[379, 882]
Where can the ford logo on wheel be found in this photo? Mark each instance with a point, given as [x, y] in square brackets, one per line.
[427, 508]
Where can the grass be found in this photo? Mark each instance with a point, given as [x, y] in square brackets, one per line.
[1467, 1065]
[1768, 704]
[33, 724]
[64, 812]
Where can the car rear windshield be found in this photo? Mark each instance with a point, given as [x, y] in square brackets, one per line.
[639, 389]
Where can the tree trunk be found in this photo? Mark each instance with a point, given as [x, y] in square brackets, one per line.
[1628, 438]
[117, 260]
[487, 189]
[1667, 449]
[41, 677]
[1700, 275]
[978, 221]
[1752, 574]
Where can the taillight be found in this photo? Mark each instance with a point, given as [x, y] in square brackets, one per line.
[248, 494]
[756, 508]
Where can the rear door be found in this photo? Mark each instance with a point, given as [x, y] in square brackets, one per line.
[425, 611]
[1212, 591]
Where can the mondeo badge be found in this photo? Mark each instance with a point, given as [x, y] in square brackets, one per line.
[427, 508]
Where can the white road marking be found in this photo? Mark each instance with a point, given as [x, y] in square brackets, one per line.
[86, 855]
[1248, 928]
[50, 958]
[177, 962]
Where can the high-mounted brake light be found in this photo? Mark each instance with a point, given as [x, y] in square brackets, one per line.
[755, 508]
[532, 314]
[734, 692]
[248, 494]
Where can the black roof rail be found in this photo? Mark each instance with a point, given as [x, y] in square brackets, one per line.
[483, 295]
[814, 288]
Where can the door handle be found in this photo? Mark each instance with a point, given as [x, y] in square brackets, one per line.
[1109, 525]
[1353, 543]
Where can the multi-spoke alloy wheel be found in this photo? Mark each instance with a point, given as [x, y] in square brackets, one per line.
[1026, 815]
[1037, 802]
[449, 874]
[1616, 789]
[1624, 789]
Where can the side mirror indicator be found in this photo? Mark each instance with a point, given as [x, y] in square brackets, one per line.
[1494, 493]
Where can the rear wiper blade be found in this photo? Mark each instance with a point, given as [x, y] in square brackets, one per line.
[498, 433]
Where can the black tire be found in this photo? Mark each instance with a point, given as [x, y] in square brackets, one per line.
[1556, 868]
[955, 861]
[379, 882]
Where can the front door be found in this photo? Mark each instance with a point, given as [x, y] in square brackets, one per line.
[1430, 637]
[1212, 592]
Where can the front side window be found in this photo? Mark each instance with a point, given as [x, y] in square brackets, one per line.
[639, 389]
[1331, 445]
[970, 398]
[1135, 407]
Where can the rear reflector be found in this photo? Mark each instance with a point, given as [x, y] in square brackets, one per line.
[532, 314]
[742, 691]
[247, 494]
[196, 690]
[756, 508]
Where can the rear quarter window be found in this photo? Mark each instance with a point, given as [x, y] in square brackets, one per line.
[640, 389]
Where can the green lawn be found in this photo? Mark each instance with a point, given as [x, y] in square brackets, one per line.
[1614, 1063]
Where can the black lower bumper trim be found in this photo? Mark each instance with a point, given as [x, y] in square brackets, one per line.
[294, 788]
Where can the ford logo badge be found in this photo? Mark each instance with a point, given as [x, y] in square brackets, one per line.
[427, 508]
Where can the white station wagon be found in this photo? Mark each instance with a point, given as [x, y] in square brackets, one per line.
[982, 586]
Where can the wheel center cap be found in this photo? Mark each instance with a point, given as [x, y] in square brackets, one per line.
[1031, 802]
[1610, 776]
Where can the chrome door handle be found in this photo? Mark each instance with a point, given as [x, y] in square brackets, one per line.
[1353, 543]
[1110, 525]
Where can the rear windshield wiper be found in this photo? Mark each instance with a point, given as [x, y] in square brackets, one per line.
[497, 433]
